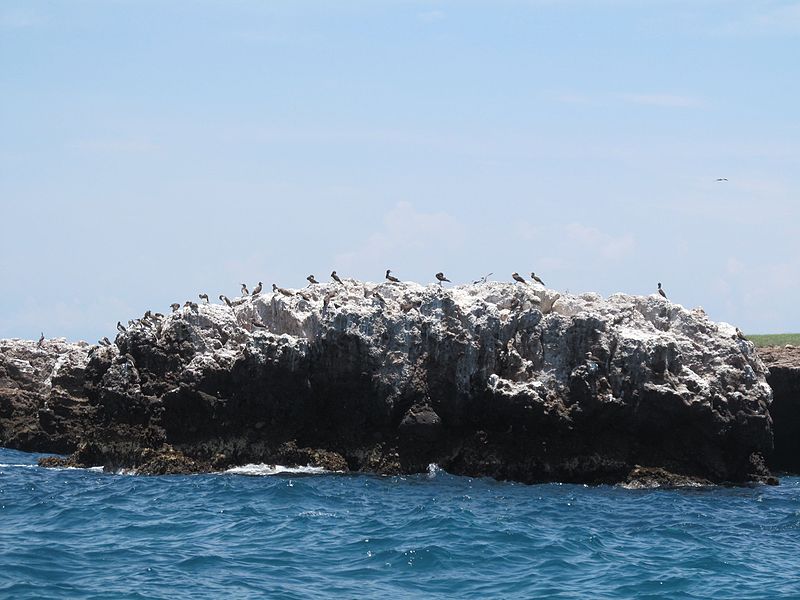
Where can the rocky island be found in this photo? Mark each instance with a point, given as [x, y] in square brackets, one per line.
[512, 381]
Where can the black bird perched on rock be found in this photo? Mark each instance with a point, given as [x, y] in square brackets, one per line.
[105, 341]
[158, 316]
[311, 279]
[518, 277]
[304, 296]
[244, 290]
[275, 288]
[536, 278]
[203, 297]
[335, 277]
[257, 289]
[120, 327]
[174, 306]
[41, 340]
[148, 314]
[224, 298]
[390, 277]
[660, 291]
[440, 276]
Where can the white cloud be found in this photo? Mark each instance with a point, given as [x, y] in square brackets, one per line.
[408, 239]
[431, 16]
[662, 100]
[608, 246]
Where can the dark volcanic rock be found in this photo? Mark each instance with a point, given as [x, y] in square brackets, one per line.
[784, 379]
[514, 382]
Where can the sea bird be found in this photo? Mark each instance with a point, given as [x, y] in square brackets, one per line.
[518, 277]
[174, 306]
[311, 280]
[120, 327]
[482, 279]
[224, 298]
[203, 297]
[335, 277]
[41, 340]
[105, 341]
[391, 278]
[722, 179]
[440, 276]
[275, 288]
[257, 289]
[660, 291]
[244, 290]
[536, 278]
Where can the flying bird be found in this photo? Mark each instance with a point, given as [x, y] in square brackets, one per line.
[518, 277]
[660, 291]
[482, 279]
[391, 278]
[440, 276]
[722, 179]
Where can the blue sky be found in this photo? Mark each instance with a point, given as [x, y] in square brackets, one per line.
[154, 150]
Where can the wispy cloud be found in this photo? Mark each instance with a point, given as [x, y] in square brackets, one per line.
[662, 100]
[764, 18]
[20, 19]
[121, 145]
[431, 16]
[407, 236]
[608, 246]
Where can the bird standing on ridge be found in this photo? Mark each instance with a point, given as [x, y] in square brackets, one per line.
[224, 298]
[121, 327]
[105, 341]
[440, 276]
[660, 291]
[174, 306]
[257, 289]
[536, 278]
[203, 297]
[335, 277]
[41, 341]
[311, 280]
[275, 288]
[390, 277]
[518, 277]
[244, 290]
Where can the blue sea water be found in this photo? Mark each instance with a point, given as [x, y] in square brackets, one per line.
[74, 533]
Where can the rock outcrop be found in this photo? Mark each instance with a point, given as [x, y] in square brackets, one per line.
[509, 381]
[784, 379]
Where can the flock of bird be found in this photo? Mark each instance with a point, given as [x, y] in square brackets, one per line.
[155, 318]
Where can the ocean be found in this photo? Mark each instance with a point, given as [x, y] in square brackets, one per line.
[261, 533]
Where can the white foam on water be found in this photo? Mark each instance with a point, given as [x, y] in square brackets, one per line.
[264, 469]
[9, 466]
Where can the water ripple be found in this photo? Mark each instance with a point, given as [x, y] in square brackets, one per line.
[269, 532]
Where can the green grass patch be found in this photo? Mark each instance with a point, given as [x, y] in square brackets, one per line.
[775, 339]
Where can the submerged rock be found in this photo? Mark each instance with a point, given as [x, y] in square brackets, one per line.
[509, 381]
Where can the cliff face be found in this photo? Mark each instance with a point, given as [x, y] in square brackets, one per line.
[784, 379]
[510, 381]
